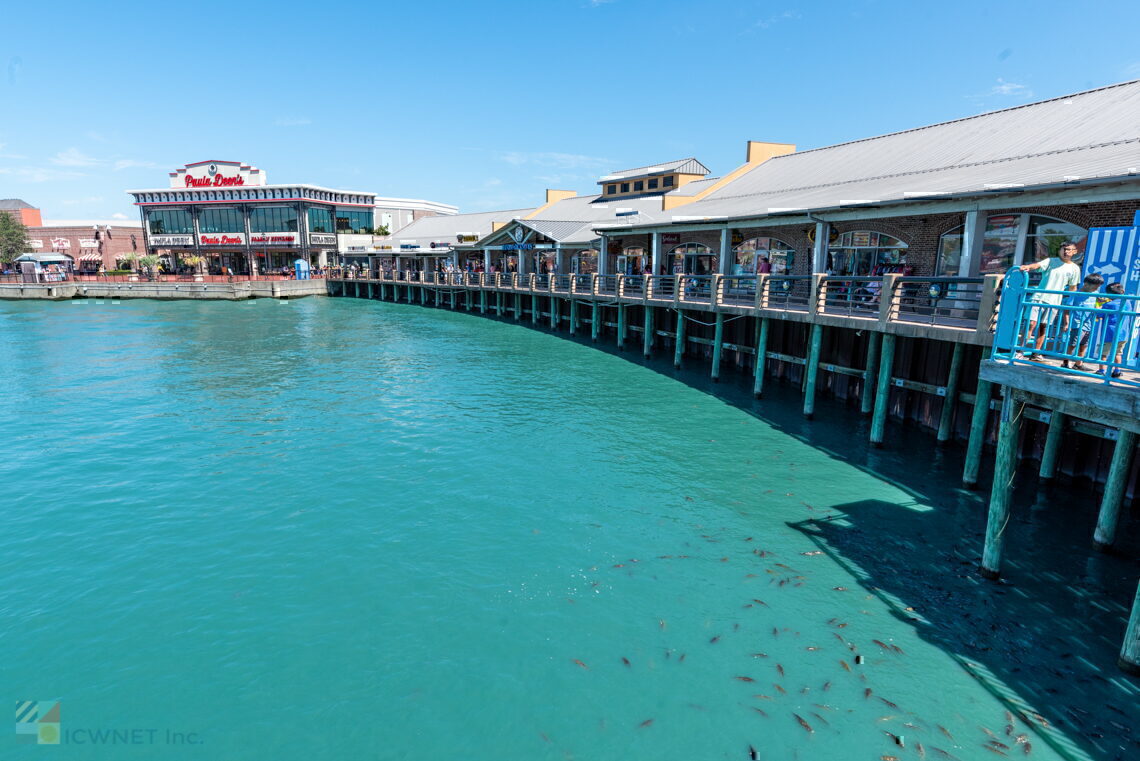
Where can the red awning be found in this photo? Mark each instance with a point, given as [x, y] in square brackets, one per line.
[93, 256]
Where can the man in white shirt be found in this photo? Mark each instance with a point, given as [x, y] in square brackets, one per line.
[1058, 273]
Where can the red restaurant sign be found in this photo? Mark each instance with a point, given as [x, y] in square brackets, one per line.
[273, 239]
[221, 240]
[216, 181]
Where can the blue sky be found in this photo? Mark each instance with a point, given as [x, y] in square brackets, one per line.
[484, 105]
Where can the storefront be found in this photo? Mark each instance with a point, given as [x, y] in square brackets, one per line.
[226, 213]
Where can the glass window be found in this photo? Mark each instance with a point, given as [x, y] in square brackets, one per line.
[352, 221]
[653, 184]
[638, 185]
[611, 189]
[320, 219]
[221, 221]
[667, 181]
[1000, 243]
[625, 187]
[273, 219]
[1047, 235]
[693, 259]
[864, 253]
[779, 255]
[585, 262]
[170, 222]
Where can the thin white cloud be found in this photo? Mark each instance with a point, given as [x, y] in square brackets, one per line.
[119, 215]
[41, 174]
[596, 3]
[4, 155]
[556, 160]
[767, 23]
[133, 163]
[288, 122]
[74, 157]
[1005, 89]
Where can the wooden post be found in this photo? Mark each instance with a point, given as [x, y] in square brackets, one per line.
[357, 284]
[1052, 445]
[453, 298]
[761, 358]
[518, 306]
[883, 390]
[554, 313]
[870, 373]
[573, 317]
[812, 369]
[595, 322]
[1005, 465]
[1114, 487]
[679, 348]
[1130, 651]
[950, 401]
[718, 339]
[647, 337]
[977, 431]
[534, 309]
[370, 291]
[438, 297]
[483, 301]
[499, 302]
[621, 326]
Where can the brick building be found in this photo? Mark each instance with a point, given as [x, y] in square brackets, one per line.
[23, 212]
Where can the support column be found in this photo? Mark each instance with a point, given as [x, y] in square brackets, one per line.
[621, 326]
[483, 301]
[647, 336]
[725, 251]
[554, 313]
[1130, 652]
[499, 302]
[1052, 445]
[1114, 488]
[883, 390]
[761, 358]
[595, 322]
[655, 251]
[819, 253]
[573, 317]
[950, 401]
[812, 369]
[1005, 464]
[518, 306]
[603, 257]
[534, 309]
[870, 373]
[973, 233]
[718, 338]
[977, 431]
[679, 349]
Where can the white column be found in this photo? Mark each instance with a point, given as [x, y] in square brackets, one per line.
[819, 255]
[486, 260]
[603, 257]
[655, 251]
[973, 232]
[725, 252]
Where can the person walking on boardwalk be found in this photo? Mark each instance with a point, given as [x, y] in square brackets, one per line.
[1058, 273]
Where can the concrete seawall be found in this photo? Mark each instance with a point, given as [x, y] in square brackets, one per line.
[236, 291]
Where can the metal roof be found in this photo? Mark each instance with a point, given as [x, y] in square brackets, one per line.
[1093, 134]
[680, 166]
[10, 204]
[445, 228]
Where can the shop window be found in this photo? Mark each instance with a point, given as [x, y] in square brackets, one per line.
[779, 255]
[639, 185]
[170, 222]
[693, 259]
[214, 221]
[625, 187]
[273, 219]
[632, 260]
[320, 220]
[1009, 240]
[864, 253]
[668, 181]
[653, 184]
[585, 262]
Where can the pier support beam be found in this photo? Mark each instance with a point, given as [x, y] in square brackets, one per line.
[555, 313]
[950, 401]
[535, 311]
[761, 358]
[573, 317]
[679, 349]
[438, 296]
[812, 369]
[1005, 464]
[357, 289]
[518, 307]
[883, 390]
[870, 373]
[647, 336]
[595, 321]
[718, 346]
[621, 326]
[1114, 487]
[977, 432]
[499, 302]
[1130, 652]
[453, 298]
[483, 302]
[1052, 445]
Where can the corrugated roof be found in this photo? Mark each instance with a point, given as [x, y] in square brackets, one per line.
[680, 166]
[1090, 134]
[11, 204]
[425, 230]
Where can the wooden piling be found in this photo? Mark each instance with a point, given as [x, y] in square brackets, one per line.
[518, 307]
[950, 401]
[812, 369]
[1001, 493]
[1052, 445]
[1114, 487]
[554, 313]
[870, 373]
[573, 317]
[483, 301]
[595, 321]
[977, 431]
[499, 302]
[679, 348]
[453, 298]
[1129, 660]
[718, 346]
[883, 390]
[438, 297]
[647, 336]
[621, 326]
[761, 357]
[357, 284]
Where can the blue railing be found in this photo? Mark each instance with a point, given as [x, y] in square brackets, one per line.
[1091, 334]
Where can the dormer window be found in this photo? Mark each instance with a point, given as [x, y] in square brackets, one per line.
[638, 186]
[667, 181]
[611, 189]
[625, 187]
[653, 184]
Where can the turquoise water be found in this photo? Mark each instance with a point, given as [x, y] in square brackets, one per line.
[330, 529]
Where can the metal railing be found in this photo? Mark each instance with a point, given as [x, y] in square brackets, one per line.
[1089, 334]
[662, 287]
[737, 290]
[789, 292]
[696, 288]
[850, 296]
[606, 284]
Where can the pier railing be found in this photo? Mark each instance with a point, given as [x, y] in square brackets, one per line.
[1089, 334]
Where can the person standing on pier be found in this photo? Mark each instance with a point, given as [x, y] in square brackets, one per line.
[1058, 273]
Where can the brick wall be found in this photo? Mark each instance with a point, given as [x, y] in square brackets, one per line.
[117, 242]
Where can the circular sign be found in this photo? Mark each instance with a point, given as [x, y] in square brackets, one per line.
[212, 169]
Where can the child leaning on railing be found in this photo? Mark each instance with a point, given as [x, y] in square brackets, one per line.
[1113, 330]
[1081, 323]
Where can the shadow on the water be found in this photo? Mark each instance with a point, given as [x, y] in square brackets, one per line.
[1047, 636]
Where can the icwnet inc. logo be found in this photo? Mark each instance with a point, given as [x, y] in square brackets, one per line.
[37, 722]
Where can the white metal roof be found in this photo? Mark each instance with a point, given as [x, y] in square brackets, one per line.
[680, 166]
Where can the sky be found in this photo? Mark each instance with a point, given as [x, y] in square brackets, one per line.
[485, 105]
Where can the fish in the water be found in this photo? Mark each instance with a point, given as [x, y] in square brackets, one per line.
[888, 703]
[780, 669]
[803, 723]
[745, 679]
[626, 661]
[579, 663]
[714, 640]
[645, 723]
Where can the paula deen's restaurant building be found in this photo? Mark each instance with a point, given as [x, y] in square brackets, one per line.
[226, 212]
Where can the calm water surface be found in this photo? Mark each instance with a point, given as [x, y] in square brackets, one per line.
[328, 530]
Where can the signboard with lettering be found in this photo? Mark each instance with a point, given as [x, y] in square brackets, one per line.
[172, 240]
[466, 238]
[670, 239]
[36, 243]
[216, 174]
[273, 239]
[60, 243]
[223, 239]
[322, 239]
[88, 243]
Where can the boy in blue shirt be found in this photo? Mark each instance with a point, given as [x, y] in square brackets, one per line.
[1114, 329]
[1080, 325]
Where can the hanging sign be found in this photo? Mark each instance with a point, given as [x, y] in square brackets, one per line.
[171, 240]
[229, 239]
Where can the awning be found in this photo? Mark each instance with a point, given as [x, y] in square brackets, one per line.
[42, 258]
[91, 256]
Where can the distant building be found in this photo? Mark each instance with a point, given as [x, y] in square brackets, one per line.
[88, 243]
[21, 211]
